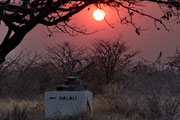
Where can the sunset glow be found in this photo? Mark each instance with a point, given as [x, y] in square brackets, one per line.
[99, 15]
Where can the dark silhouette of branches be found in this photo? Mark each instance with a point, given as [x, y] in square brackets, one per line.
[60, 57]
[112, 57]
[22, 16]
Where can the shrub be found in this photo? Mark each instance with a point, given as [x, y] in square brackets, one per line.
[16, 114]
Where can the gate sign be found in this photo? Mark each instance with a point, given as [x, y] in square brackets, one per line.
[63, 103]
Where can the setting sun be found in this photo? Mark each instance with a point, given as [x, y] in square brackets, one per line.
[98, 15]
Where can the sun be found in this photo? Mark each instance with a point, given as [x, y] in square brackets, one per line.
[99, 14]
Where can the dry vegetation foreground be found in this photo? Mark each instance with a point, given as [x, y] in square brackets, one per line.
[115, 104]
[11, 109]
[123, 89]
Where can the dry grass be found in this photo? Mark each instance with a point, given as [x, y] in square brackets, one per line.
[7, 104]
[35, 108]
[114, 104]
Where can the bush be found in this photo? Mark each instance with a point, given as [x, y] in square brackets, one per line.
[16, 114]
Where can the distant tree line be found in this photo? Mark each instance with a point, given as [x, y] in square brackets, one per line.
[29, 74]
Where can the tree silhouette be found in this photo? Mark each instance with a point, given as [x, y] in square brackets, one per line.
[21, 16]
[61, 56]
[112, 57]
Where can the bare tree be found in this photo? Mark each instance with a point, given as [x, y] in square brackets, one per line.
[7, 72]
[112, 57]
[21, 16]
[60, 57]
[24, 81]
[17, 69]
[174, 61]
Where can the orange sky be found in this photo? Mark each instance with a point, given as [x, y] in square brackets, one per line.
[150, 42]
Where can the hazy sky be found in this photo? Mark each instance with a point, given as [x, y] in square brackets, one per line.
[150, 42]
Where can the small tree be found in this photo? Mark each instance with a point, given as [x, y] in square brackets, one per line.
[112, 57]
[61, 55]
[24, 82]
[174, 61]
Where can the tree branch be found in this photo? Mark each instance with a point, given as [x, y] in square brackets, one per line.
[65, 17]
[8, 35]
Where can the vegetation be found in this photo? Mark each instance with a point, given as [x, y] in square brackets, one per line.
[144, 90]
[112, 57]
